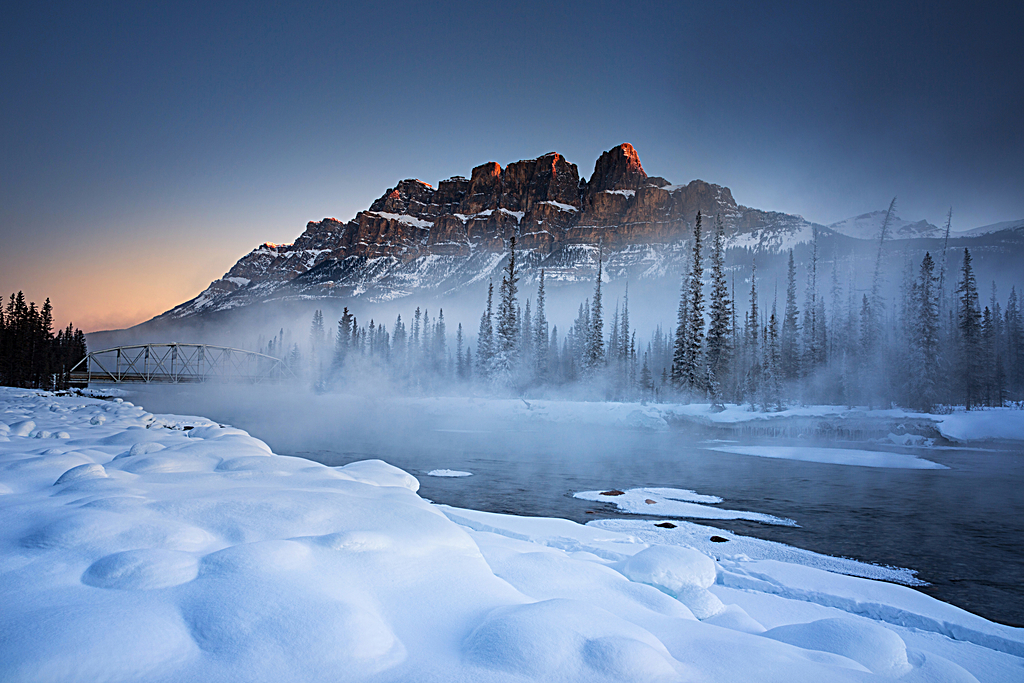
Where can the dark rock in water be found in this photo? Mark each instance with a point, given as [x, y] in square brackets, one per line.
[719, 539]
[666, 525]
[613, 492]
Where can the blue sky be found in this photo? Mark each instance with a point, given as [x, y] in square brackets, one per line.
[146, 147]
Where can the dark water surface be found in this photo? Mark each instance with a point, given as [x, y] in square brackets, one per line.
[961, 528]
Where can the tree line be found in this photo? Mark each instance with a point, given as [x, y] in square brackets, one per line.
[931, 345]
[31, 355]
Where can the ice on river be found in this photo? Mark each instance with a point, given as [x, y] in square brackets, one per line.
[139, 549]
[449, 473]
[666, 502]
[836, 456]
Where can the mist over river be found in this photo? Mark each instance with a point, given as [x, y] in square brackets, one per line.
[960, 528]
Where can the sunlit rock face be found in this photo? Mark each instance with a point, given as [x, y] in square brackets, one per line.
[417, 236]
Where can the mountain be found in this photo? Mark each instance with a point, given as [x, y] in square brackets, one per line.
[1016, 225]
[868, 226]
[416, 237]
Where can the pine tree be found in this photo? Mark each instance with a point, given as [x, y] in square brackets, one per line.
[460, 370]
[752, 335]
[540, 331]
[646, 380]
[485, 337]
[681, 340]
[772, 379]
[969, 326]
[925, 338]
[813, 353]
[506, 352]
[718, 347]
[595, 337]
[692, 372]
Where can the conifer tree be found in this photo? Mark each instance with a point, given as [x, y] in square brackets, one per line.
[752, 336]
[540, 331]
[925, 338]
[681, 340]
[506, 352]
[595, 335]
[718, 347]
[969, 326]
[485, 337]
[692, 373]
[772, 379]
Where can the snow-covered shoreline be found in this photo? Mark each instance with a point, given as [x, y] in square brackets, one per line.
[992, 424]
[144, 547]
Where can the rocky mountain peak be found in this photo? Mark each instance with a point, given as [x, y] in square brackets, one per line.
[617, 169]
[458, 230]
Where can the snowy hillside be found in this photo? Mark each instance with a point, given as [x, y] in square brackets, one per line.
[868, 226]
[163, 548]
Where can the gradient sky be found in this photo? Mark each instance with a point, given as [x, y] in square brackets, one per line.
[145, 148]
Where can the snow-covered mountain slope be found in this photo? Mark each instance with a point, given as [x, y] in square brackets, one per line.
[994, 227]
[868, 226]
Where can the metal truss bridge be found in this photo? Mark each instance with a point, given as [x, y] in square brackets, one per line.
[178, 364]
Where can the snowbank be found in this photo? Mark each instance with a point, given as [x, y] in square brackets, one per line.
[836, 456]
[976, 425]
[158, 548]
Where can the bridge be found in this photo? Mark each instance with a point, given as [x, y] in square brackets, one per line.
[178, 364]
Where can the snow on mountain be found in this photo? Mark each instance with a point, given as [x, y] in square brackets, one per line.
[416, 237]
[994, 227]
[868, 226]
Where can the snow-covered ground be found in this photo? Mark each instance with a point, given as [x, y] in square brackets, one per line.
[139, 547]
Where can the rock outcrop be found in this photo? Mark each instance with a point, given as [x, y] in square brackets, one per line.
[557, 218]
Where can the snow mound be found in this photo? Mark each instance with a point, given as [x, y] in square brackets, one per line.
[683, 573]
[880, 650]
[379, 473]
[22, 428]
[80, 472]
[145, 569]
[567, 640]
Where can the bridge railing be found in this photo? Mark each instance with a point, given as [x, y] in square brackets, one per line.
[175, 363]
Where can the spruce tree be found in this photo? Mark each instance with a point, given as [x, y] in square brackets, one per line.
[693, 374]
[485, 337]
[718, 347]
[540, 331]
[925, 338]
[753, 337]
[595, 335]
[681, 340]
[790, 350]
[506, 352]
[969, 327]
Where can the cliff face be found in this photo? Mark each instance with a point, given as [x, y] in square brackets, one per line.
[417, 236]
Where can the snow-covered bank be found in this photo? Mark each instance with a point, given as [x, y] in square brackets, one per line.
[961, 426]
[163, 548]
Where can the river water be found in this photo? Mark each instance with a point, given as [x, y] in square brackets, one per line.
[961, 528]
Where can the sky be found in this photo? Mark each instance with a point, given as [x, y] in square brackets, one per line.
[145, 147]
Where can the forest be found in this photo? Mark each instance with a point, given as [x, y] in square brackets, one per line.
[31, 355]
[933, 345]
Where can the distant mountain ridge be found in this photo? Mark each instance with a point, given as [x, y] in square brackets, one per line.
[417, 238]
[868, 226]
